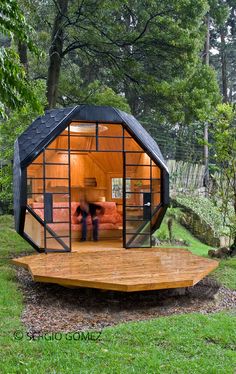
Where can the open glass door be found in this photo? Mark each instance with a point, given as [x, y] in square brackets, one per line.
[137, 200]
[142, 196]
[48, 197]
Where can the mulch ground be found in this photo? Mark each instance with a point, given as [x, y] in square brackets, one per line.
[52, 308]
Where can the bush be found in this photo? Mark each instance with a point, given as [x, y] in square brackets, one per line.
[207, 211]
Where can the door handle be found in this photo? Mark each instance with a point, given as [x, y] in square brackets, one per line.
[147, 204]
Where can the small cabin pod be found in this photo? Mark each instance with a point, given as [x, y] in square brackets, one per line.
[97, 152]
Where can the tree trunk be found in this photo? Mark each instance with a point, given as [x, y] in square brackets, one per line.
[206, 61]
[223, 66]
[55, 53]
[206, 55]
[206, 159]
[22, 50]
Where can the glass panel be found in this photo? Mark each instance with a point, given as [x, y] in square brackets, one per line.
[131, 145]
[139, 158]
[61, 212]
[60, 225]
[60, 228]
[34, 230]
[110, 130]
[156, 199]
[134, 213]
[60, 142]
[156, 185]
[34, 186]
[138, 241]
[34, 199]
[61, 198]
[35, 171]
[133, 227]
[56, 157]
[155, 217]
[110, 144]
[135, 198]
[127, 134]
[140, 185]
[57, 185]
[156, 173]
[53, 244]
[138, 171]
[83, 143]
[56, 171]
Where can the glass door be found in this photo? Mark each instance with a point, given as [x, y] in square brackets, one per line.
[137, 200]
[48, 222]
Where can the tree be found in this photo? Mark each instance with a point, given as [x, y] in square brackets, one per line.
[56, 51]
[14, 88]
[223, 133]
[134, 46]
[10, 129]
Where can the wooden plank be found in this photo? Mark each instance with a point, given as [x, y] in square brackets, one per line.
[119, 269]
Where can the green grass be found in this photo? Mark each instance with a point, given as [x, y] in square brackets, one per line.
[191, 343]
[225, 273]
[181, 233]
[11, 242]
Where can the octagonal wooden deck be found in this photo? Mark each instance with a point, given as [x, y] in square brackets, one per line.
[119, 269]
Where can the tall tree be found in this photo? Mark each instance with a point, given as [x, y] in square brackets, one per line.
[206, 59]
[141, 45]
[55, 51]
[224, 147]
[223, 64]
[14, 88]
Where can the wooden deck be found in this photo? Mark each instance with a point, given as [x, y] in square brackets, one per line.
[98, 266]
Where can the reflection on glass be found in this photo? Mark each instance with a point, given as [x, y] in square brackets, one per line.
[134, 227]
[155, 217]
[138, 241]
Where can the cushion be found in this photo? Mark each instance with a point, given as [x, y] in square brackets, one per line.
[110, 219]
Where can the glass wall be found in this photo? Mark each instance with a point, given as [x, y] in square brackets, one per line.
[143, 198]
[82, 159]
[48, 197]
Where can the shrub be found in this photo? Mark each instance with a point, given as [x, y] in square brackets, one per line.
[207, 211]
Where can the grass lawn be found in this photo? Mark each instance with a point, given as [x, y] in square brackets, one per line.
[225, 273]
[191, 343]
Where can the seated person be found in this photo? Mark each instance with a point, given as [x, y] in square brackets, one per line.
[84, 209]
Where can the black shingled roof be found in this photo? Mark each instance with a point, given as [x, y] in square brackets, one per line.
[45, 128]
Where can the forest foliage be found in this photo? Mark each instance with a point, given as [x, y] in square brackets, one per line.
[168, 63]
